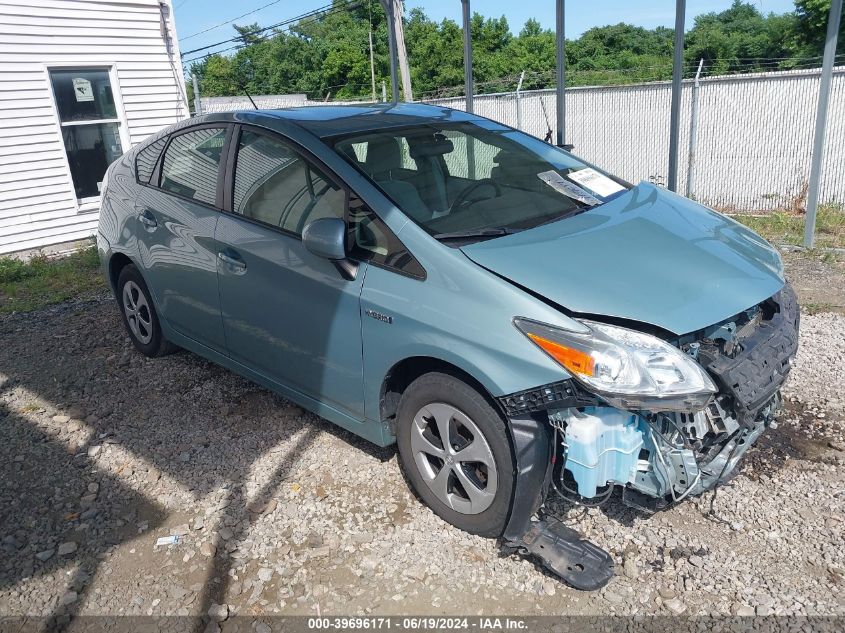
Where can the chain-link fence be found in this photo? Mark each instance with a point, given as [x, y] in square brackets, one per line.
[752, 146]
[263, 102]
[751, 150]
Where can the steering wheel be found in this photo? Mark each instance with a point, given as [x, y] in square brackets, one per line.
[463, 198]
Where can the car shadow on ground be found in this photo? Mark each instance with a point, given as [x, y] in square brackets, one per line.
[82, 407]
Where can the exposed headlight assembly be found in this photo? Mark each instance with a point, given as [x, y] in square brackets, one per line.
[629, 369]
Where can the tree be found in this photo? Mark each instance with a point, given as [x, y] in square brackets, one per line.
[811, 27]
[740, 39]
[249, 34]
[533, 51]
[622, 53]
[328, 54]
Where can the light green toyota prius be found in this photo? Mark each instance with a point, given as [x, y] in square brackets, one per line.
[518, 321]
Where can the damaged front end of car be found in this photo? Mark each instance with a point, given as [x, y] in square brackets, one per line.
[662, 418]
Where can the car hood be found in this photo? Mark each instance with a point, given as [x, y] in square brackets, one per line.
[649, 255]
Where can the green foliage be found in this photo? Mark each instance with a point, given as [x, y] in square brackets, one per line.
[811, 27]
[329, 55]
[741, 39]
[782, 227]
[41, 281]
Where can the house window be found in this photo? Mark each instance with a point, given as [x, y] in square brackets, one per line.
[90, 125]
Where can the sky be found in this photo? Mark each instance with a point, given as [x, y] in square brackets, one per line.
[196, 15]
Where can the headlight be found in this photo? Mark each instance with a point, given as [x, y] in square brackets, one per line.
[629, 369]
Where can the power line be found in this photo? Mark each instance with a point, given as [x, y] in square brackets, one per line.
[217, 26]
[327, 9]
[300, 20]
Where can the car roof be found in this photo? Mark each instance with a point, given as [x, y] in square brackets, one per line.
[339, 120]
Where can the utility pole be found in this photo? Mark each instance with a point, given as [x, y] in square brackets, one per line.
[390, 11]
[821, 122]
[404, 71]
[675, 108]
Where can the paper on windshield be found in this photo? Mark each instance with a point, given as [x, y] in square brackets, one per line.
[596, 182]
[557, 182]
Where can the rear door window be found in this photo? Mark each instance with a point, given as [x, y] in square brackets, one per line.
[191, 164]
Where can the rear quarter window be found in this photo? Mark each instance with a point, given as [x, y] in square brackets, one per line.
[147, 158]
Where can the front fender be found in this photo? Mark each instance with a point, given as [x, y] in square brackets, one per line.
[461, 315]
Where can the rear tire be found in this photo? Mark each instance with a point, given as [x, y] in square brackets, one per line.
[467, 480]
[139, 314]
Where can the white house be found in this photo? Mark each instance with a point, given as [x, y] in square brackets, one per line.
[81, 82]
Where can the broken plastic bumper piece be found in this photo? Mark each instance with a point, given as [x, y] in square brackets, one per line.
[577, 562]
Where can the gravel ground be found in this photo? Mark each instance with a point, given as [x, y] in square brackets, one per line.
[102, 452]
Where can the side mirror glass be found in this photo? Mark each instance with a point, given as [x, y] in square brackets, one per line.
[326, 238]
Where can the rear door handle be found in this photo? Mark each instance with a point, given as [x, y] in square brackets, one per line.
[148, 219]
[232, 261]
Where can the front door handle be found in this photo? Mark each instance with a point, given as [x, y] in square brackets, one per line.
[148, 219]
[232, 261]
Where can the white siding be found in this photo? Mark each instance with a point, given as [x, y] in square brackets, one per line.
[38, 204]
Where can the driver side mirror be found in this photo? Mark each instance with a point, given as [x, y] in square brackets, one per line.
[326, 238]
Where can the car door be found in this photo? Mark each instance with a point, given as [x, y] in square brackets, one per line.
[177, 217]
[288, 315]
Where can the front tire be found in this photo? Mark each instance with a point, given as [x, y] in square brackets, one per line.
[456, 453]
[139, 314]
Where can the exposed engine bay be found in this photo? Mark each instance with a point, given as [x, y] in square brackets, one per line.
[658, 457]
[661, 458]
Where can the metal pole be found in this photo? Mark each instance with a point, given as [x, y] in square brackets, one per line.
[560, 38]
[821, 122]
[675, 111]
[391, 41]
[519, 101]
[467, 54]
[693, 130]
[197, 101]
[383, 91]
[372, 64]
[468, 87]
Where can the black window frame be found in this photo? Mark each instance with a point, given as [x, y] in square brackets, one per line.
[155, 178]
[227, 205]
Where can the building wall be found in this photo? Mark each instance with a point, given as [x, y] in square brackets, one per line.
[38, 204]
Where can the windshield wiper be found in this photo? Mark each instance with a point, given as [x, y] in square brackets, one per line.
[494, 231]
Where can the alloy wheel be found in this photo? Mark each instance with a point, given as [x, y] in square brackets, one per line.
[137, 311]
[454, 458]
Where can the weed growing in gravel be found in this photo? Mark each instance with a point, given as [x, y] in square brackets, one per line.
[41, 281]
[783, 227]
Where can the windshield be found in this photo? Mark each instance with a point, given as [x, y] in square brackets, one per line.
[476, 180]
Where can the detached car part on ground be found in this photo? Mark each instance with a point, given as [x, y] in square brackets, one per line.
[516, 320]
